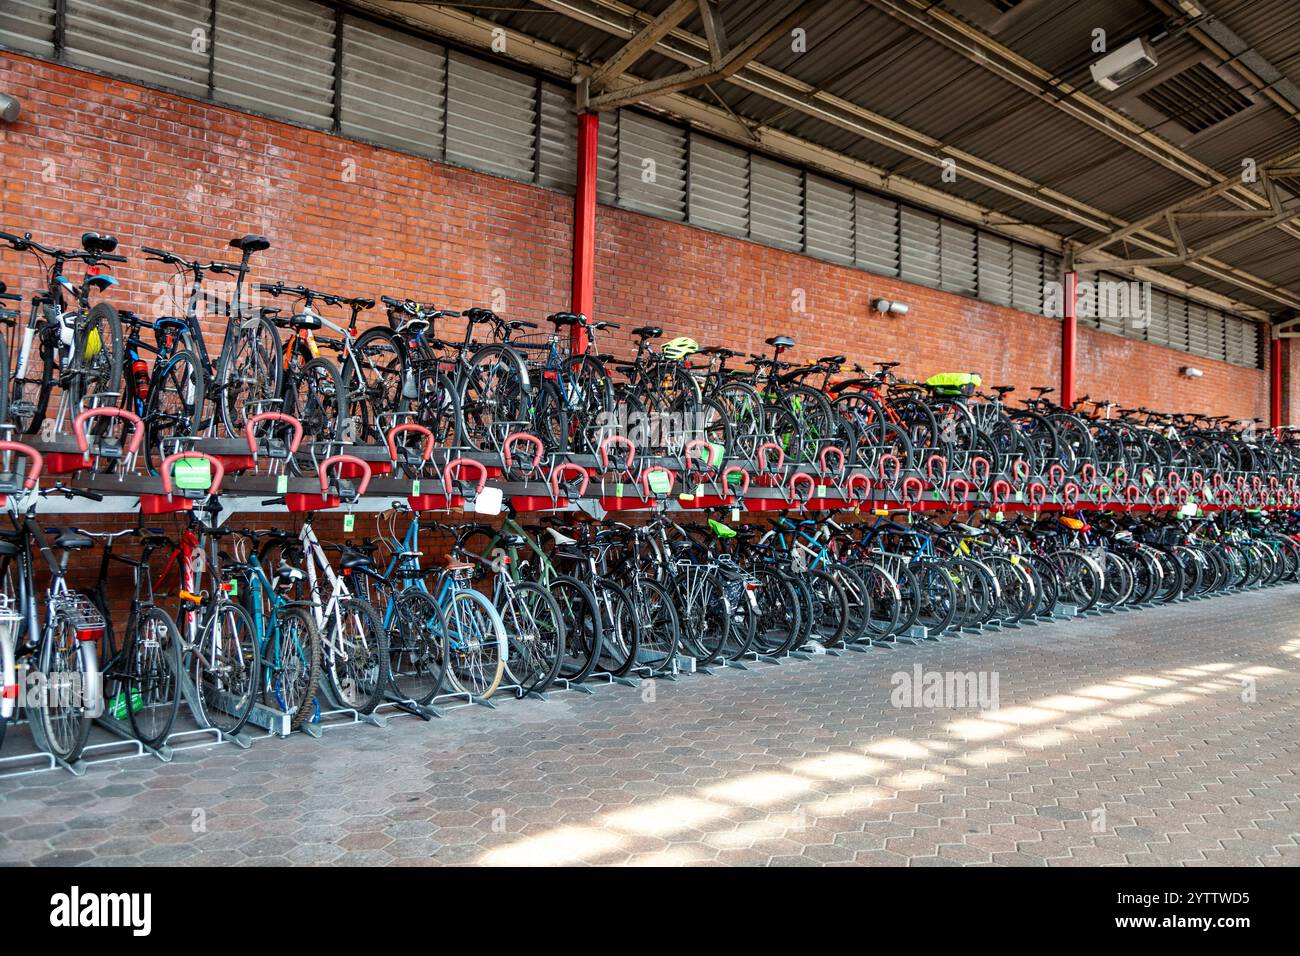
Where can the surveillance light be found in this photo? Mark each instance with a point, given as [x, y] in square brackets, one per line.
[887, 307]
[1124, 65]
[9, 108]
[1191, 372]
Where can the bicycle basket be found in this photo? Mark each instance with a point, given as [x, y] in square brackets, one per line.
[539, 342]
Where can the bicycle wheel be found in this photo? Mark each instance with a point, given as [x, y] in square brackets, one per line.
[778, 621]
[372, 382]
[744, 408]
[830, 618]
[417, 647]
[291, 664]
[704, 619]
[435, 402]
[29, 390]
[226, 667]
[620, 635]
[174, 406]
[315, 396]
[591, 400]
[96, 364]
[476, 644]
[248, 375]
[4, 381]
[62, 722]
[657, 622]
[356, 655]
[535, 632]
[494, 396]
[583, 630]
[152, 656]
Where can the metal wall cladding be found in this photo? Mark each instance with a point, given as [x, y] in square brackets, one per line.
[719, 186]
[776, 203]
[394, 88]
[876, 236]
[828, 220]
[276, 57]
[491, 117]
[652, 166]
[28, 25]
[557, 140]
[164, 45]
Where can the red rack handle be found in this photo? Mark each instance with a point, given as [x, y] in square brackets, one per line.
[929, 467]
[898, 467]
[568, 467]
[1020, 469]
[1000, 491]
[1132, 493]
[79, 427]
[31, 454]
[323, 472]
[1160, 494]
[1182, 495]
[744, 479]
[399, 429]
[455, 465]
[603, 451]
[858, 478]
[697, 461]
[645, 479]
[801, 477]
[296, 426]
[1216, 480]
[917, 486]
[1173, 479]
[761, 457]
[1070, 494]
[165, 469]
[1198, 481]
[1056, 476]
[821, 459]
[538, 448]
[959, 482]
[1037, 493]
[1225, 496]
[975, 471]
[1088, 474]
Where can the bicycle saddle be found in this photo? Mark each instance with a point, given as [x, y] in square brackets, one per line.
[1003, 389]
[559, 537]
[8, 548]
[832, 360]
[363, 304]
[780, 341]
[886, 366]
[354, 559]
[301, 320]
[96, 244]
[720, 350]
[563, 318]
[477, 315]
[288, 573]
[70, 539]
[647, 331]
[248, 244]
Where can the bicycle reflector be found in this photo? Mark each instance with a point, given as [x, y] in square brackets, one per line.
[681, 347]
[192, 474]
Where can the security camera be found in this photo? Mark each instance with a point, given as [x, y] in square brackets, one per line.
[886, 307]
[1124, 65]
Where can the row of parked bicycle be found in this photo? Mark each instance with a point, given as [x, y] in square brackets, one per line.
[473, 388]
[656, 511]
[283, 629]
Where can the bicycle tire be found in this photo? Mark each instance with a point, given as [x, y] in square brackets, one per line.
[620, 635]
[417, 646]
[379, 391]
[29, 394]
[181, 376]
[476, 644]
[658, 624]
[314, 394]
[153, 675]
[62, 730]
[536, 634]
[249, 374]
[583, 628]
[359, 681]
[232, 679]
[96, 365]
[291, 685]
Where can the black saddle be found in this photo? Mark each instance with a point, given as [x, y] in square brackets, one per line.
[248, 244]
[647, 332]
[781, 342]
[302, 320]
[70, 539]
[354, 559]
[559, 319]
[1004, 389]
[477, 315]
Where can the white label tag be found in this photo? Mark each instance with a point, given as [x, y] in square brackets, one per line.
[415, 487]
[488, 502]
[735, 514]
[349, 522]
[282, 485]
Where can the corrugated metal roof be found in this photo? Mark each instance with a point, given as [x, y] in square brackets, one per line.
[862, 54]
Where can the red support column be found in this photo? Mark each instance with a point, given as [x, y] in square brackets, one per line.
[1068, 329]
[1275, 383]
[584, 225]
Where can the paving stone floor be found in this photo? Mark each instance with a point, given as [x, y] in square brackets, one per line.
[1166, 736]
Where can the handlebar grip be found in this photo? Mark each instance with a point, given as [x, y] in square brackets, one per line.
[92, 495]
[273, 501]
[151, 251]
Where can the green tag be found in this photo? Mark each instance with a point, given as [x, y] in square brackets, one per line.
[192, 474]
[1020, 496]
[735, 478]
[821, 491]
[735, 514]
[234, 588]
[618, 489]
[282, 485]
[349, 521]
[415, 487]
[659, 482]
[999, 517]
[699, 491]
